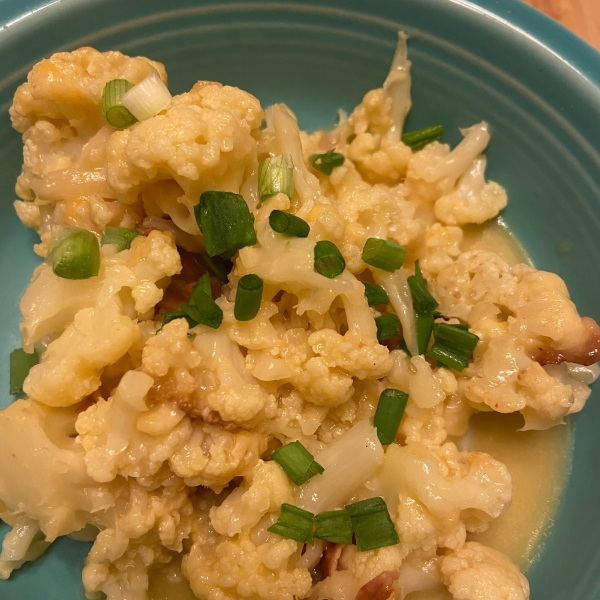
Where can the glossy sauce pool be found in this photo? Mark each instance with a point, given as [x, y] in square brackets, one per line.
[538, 461]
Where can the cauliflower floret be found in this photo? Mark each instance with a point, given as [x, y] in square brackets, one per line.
[23, 543]
[442, 246]
[113, 442]
[238, 568]
[28, 213]
[264, 491]
[213, 456]
[43, 472]
[437, 494]
[474, 200]
[476, 572]
[433, 171]
[372, 211]
[71, 366]
[203, 140]
[68, 86]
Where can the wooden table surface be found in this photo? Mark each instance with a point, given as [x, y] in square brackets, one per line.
[582, 16]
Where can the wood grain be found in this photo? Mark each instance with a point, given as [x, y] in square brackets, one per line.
[581, 16]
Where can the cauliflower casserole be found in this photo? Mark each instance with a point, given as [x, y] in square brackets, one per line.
[253, 352]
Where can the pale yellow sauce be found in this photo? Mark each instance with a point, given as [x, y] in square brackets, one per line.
[538, 461]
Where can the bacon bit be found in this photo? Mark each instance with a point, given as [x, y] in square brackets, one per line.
[587, 353]
[167, 390]
[331, 557]
[379, 588]
[191, 271]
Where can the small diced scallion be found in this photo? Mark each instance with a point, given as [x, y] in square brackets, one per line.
[388, 415]
[375, 294]
[383, 254]
[421, 137]
[289, 225]
[294, 523]
[75, 254]
[329, 261]
[454, 345]
[20, 365]
[388, 326]
[120, 236]
[327, 161]
[226, 223]
[248, 297]
[298, 463]
[276, 175]
[372, 524]
[113, 110]
[334, 526]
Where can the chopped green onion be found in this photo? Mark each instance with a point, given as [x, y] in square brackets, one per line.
[219, 266]
[20, 365]
[334, 526]
[388, 326]
[248, 297]
[76, 255]
[294, 523]
[424, 329]
[114, 112]
[225, 222]
[454, 345]
[289, 225]
[329, 261]
[421, 137]
[375, 294]
[327, 162]
[298, 463]
[204, 311]
[171, 315]
[383, 254]
[202, 287]
[120, 236]
[372, 524]
[388, 415]
[276, 175]
[423, 301]
[147, 98]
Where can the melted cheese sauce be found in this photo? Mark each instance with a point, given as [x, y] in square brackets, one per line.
[538, 461]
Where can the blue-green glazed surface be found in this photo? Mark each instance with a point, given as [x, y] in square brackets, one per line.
[499, 60]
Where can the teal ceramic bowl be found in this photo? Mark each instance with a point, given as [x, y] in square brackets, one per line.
[499, 60]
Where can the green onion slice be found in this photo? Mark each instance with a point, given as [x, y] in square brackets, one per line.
[275, 175]
[383, 254]
[20, 365]
[114, 112]
[203, 311]
[171, 315]
[289, 225]
[388, 326]
[248, 297]
[329, 261]
[225, 222]
[76, 255]
[423, 301]
[453, 346]
[334, 526]
[375, 294]
[372, 524]
[120, 236]
[424, 328]
[298, 463]
[388, 415]
[202, 287]
[327, 162]
[217, 265]
[421, 137]
[294, 523]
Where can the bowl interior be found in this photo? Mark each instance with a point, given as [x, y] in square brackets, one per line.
[497, 60]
